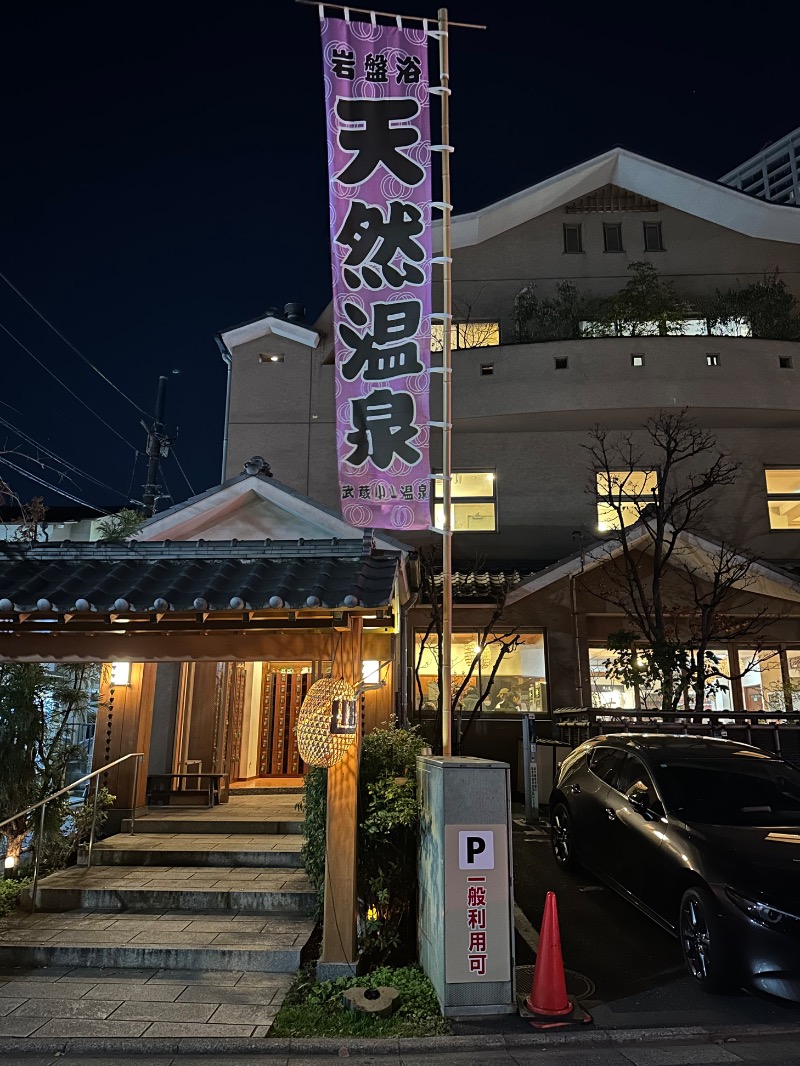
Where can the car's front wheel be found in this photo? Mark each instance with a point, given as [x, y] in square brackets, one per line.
[707, 955]
[561, 836]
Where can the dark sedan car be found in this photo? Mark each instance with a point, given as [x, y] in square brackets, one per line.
[702, 835]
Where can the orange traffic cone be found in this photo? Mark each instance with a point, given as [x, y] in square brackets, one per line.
[549, 993]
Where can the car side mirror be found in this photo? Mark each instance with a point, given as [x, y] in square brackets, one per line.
[639, 799]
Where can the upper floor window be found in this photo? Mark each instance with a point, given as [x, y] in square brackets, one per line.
[466, 335]
[653, 239]
[573, 240]
[783, 497]
[474, 502]
[622, 495]
[612, 237]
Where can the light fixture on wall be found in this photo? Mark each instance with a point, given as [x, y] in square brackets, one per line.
[120, 674]
[371, 672]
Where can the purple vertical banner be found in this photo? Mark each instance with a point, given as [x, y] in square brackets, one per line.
[376, 93]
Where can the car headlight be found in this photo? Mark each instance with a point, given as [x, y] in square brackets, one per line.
[761, 912]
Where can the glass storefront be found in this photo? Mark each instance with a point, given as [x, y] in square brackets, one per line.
[519, 684]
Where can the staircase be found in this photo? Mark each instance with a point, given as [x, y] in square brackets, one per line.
[191, 890]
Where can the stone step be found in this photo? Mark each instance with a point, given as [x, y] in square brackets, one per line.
[177, 888]
[183, 849]
[169, 940]
[198, 825]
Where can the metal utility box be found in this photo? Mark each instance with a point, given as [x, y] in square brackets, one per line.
[466, 884]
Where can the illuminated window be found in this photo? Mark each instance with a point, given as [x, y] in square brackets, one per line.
[624, 494]
[466, 335]
[783, 497]
[474, 503]
[519, 685]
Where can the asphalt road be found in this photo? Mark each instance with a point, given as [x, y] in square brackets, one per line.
[625, 969]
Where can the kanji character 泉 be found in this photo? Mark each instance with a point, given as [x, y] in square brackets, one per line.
[347, 492]
[477, 964]
[477, 942]
[409, 71]
[375, 67]
[407, 492]
[384, 425]
[374, 241]
[476, 896]
[343, 63]
[422, 491]
[377, 139]
[389, 350]
[476, 918]
[364, 492]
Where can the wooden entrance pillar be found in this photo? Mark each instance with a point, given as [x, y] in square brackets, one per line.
[339, 937]
[124, 724]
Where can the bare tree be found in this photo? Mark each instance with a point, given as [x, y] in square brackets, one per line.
[680, 595]
[492, 636]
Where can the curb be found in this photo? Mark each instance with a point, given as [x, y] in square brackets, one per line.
[609, 1038]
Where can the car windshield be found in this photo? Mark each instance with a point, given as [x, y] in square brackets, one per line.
[746, 791]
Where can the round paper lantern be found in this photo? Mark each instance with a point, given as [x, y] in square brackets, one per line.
[327, 722]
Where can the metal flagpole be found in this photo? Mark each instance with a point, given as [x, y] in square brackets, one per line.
[447, 404]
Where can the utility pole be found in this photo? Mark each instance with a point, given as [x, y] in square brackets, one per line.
[157, 449]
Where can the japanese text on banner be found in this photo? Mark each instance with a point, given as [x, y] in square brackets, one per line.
[376, 89]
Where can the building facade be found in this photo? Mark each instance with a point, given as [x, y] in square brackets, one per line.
[773, 173]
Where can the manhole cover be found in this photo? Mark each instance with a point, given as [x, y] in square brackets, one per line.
[578, 985]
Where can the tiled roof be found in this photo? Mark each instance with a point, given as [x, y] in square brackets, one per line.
[484, 584]
[195, 576]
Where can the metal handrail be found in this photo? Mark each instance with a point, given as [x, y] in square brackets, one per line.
[138, 755]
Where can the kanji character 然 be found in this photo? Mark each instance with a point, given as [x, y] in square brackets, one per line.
[477, 941]
[408, 70]
[375, 67]
[388, 351]
[374, 241]
[477, 964]
[384, 426]
[343, 63]
[476, 918]
[381, 130]
[476, 896]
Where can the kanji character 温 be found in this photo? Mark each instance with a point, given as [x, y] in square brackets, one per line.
[377, 139]
[375, 67]
[476, 896]
[343, 63]
[407, 492]
[409, 71]
[374, 241]
[383, 427]
[388, 351]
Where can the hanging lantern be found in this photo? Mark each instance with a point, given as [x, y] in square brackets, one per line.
[327, 722]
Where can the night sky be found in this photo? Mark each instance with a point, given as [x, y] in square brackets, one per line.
[164, 178]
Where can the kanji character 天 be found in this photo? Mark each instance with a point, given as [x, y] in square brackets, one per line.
[409, 71]
[347, 492]
[476, 918]
[383, 427]
[476, 896]
[388, 351]
[374, 241]
[343, 63]
[364, 492]
[477, 964]
[377, 139]
[375, 67]
[477, 942]
[407, 492]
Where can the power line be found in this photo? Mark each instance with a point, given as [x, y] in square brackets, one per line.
[47, 485]
[54, 455]
[69, 344]
[74, 395]
[185, 478]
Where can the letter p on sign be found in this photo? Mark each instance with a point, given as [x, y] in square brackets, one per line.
[476, 849]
